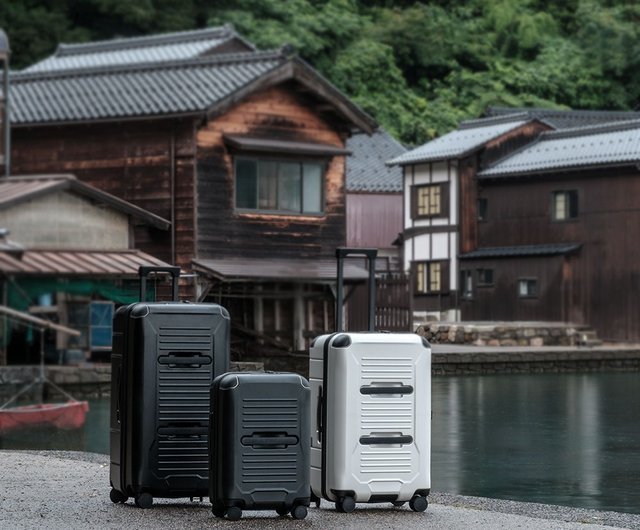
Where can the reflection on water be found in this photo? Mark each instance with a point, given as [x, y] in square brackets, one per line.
[560, 439]
[569, 439]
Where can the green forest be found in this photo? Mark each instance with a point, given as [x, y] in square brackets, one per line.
[417, 67]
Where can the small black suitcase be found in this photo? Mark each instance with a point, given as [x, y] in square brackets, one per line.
[259, 444]
[164, 358]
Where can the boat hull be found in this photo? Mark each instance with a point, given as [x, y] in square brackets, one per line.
[69, 415]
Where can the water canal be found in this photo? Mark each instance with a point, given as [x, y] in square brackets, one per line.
[568, 439]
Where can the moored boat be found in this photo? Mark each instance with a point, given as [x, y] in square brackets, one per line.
[69, 415]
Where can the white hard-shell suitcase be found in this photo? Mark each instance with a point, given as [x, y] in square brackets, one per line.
[370, 413]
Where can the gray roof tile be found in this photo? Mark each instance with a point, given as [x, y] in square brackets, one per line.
[366, 167]
[616, 143]
[566, 119]
[471, 135]
[139, 50]
[135, 90]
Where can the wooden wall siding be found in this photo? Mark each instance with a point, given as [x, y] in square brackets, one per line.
[373, 219]
[501, 301]
[131, 160]
[604, 283]
[467, 170]
[276, 113]
[510, 142]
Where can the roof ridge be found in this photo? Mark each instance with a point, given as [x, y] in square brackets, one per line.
[227, 58]
[124, 43]
[586, 130]
[551, 111]
[494, 120]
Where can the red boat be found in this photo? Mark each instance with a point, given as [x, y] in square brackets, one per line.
[69, 415]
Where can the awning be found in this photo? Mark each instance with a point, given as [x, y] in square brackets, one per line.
[122, 263]
[281, 146]
[557, 249]
[283, 270]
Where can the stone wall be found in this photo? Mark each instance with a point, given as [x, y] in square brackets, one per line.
[506, 333]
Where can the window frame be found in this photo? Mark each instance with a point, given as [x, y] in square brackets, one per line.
[444, 200]
[571, 205]
[323, 164]
[424, 277]
[530, 280]
[466, 275]
[481, 279]
[483, 209]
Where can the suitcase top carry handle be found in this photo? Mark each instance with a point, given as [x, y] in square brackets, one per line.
[144, 271]
[370, 254]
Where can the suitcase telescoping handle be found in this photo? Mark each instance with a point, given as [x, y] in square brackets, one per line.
[144, 272]
[370, 254]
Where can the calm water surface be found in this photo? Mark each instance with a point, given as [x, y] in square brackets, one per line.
[559, 439]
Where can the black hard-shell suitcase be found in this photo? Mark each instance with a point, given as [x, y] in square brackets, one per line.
[165, 356]
[259, 444]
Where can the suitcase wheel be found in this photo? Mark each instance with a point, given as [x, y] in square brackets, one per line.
[117, 496]
[345, 504]
[282, 510]
[234, 513]
[397, 504]
[418, 503]
[144, 500]
[299, 512]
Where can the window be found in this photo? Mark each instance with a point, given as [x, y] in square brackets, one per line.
[431, 277]
[565, 205]
[527, 287]
[101, 325]
[279, 186]
[482, 209]
[466, 284]
[485, 277]
[430, 201]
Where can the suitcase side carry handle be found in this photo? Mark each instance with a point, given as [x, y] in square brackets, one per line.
[258, 441]
[370, 254]
[144, 271]
[385, 440]
[185, 360]
[373, 390]
[183, 431]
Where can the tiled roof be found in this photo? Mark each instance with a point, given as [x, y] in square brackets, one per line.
[156, 48]
[617, 143]
[179, 88]
[470, 136]
[523, 250]
[567, 119]
[124, 263]
[320, 270]
[366, 167]
[183, 87]
[14, 190]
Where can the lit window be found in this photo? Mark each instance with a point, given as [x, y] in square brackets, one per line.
[565, 205]
[279, 186]
[430, 201]
[430, 277]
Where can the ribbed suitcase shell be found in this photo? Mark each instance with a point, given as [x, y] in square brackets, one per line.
[368, 387]
[165, 356]
[259, 443]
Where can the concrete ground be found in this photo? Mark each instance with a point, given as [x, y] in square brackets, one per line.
[69, 490]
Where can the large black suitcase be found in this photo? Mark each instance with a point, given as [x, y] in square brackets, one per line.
[259, 444]
[164, 358]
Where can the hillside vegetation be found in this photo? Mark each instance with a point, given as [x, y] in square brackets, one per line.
[417, 67]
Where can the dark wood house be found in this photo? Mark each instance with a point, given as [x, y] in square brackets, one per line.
[546, 229]
[243, 151]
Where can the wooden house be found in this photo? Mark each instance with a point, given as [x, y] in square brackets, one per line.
[71, 257]
[242, 151]
[547, 230]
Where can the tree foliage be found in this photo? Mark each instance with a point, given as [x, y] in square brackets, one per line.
[417, 67]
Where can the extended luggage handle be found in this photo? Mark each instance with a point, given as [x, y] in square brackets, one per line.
[144, 271]
[370, 254]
